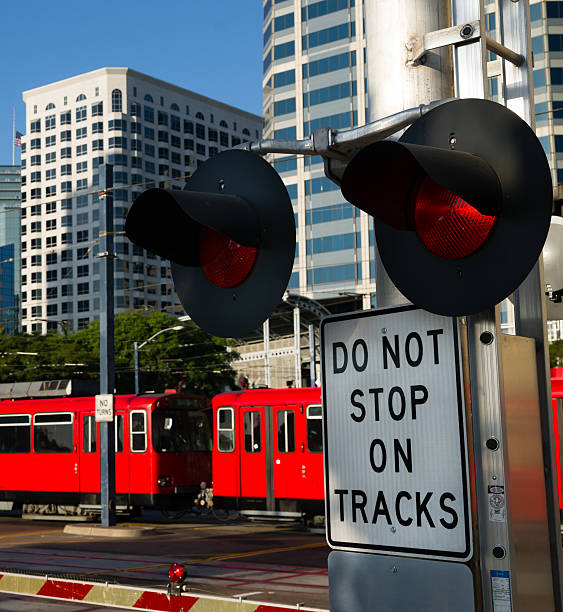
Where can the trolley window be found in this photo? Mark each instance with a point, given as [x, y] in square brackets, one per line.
[52, 433]
[118, 433]
[170, 431]
[138, 431]
[225, 430]
[314, 429]
[15, 433]
[200, 428]
[286, 431]
[252, 432]
[89, 435]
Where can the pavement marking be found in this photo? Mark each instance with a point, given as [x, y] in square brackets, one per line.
[214, 558]
[30, 533]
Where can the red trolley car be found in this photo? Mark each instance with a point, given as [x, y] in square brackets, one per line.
[50, 454]
[267, 451]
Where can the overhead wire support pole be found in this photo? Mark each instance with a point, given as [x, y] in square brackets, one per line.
[107, 365]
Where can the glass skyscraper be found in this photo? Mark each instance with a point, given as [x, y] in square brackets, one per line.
[313, 77]
[10, 236]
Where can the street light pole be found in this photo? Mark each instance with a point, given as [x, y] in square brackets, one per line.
[136, 358]
[137, 346]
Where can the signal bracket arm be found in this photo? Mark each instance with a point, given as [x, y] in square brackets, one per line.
[339, 144]
[457, 35]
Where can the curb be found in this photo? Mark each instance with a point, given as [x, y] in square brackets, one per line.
[108, 532]
[133, 598]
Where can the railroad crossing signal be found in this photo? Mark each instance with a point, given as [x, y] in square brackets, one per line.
[461, 203]
[230, 236]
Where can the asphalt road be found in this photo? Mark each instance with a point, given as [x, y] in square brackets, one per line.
[278, 563]
[19, 603]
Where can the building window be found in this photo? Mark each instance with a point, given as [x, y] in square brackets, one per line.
[66, 153]
[148, 114]
[81, 133]
[117, 142]
[35, 126]
[98, 109]
[117, 124]
[35, 143]
[81, 113]
[50, 122]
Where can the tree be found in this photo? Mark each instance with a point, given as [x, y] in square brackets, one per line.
[201, 361]
[32, 357]
[556, 353]
[193, 356]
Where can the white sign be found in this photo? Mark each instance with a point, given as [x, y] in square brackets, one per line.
[104, 408]
[396, 473]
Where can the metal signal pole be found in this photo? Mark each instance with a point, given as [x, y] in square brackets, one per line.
[419, 51]
[107, 370]
[394, 30]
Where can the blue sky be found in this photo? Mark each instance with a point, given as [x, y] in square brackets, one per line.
[212, 47]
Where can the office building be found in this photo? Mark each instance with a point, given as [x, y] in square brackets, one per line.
[314, 75]
[10, 196]
[150, 131]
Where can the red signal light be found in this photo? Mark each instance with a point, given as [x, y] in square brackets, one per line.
[447, 225]
[177, 572]
[226, 263]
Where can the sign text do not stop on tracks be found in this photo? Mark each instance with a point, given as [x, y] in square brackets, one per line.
[395, 445]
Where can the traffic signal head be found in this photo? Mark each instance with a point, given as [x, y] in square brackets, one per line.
[462, 204]
[230, 236]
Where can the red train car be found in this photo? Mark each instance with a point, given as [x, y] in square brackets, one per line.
[51, 457]
[267, 451]
[557, 394]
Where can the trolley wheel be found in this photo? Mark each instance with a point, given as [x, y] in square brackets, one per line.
[223, 515]
[172, 516]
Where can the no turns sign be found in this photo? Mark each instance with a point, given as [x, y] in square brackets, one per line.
[396, 473]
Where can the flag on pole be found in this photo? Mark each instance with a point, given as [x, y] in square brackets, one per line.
[18, 139]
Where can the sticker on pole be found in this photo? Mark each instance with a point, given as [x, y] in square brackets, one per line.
[395, 451]
[104, 408]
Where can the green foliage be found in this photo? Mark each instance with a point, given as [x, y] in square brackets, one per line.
[556, 353]
[200, 360]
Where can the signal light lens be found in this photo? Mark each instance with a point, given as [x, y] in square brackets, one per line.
[447, 225]
[226, 263]
[176, 572]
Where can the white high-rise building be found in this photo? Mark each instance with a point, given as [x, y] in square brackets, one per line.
[150, 131]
